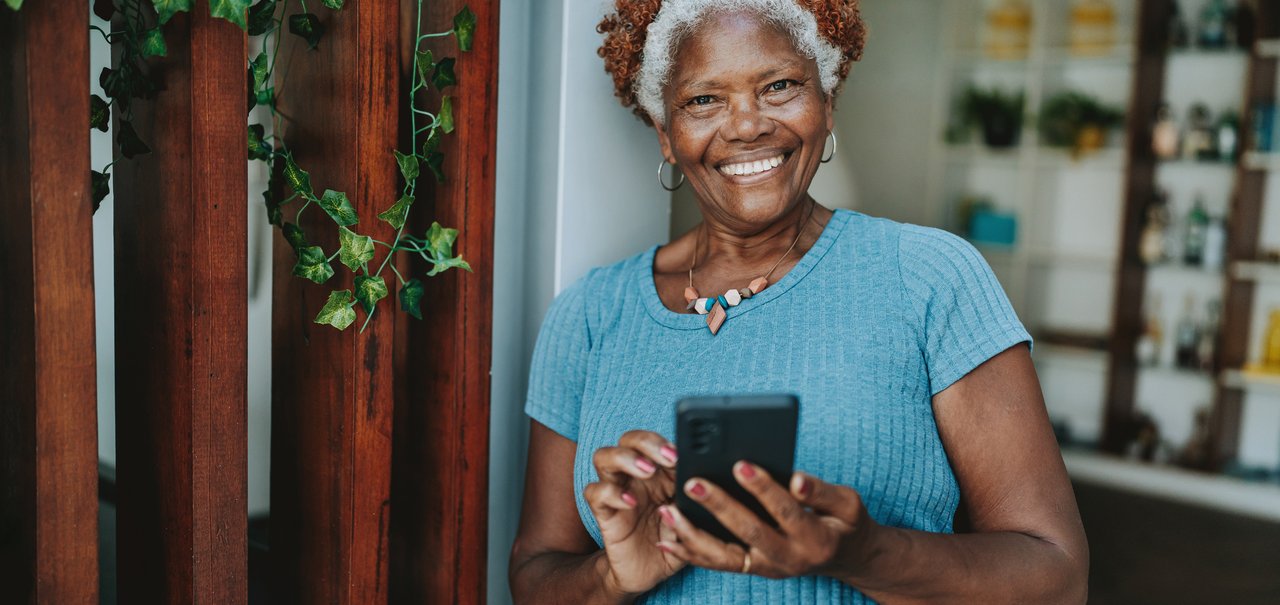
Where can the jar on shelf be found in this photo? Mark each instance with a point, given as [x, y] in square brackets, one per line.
[1008, 30]
[1093, 28]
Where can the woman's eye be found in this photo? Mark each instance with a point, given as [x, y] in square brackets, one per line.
[701, 100]
[781, 85]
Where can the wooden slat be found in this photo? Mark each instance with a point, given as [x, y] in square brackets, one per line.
[1126, 320]
[181, 321]
[333, 391]
[1243, 239]
[48, 413]
[441, 475]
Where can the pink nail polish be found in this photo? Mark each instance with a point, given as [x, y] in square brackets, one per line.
[697, 490]
[806, 487]
[644, 465]
[629, 499]
[668, 452]
[746, 470]
[667, 517]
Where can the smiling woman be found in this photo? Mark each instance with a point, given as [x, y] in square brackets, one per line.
[916, 386]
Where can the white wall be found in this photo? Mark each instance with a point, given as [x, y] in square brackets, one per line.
[575, 190]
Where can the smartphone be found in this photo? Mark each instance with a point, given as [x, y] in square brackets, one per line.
[714, 433]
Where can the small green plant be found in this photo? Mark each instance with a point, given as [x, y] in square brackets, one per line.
[996, 112]
[1077, 120]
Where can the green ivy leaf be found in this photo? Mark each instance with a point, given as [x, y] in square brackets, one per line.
[369, 290]
[334, 4]
[14, 4]
[446, 114]
[464, 27]
[231, 10]
[408, 166]
[339, 207]
[398, 212]
[425, 62]
[275, 216]
[297, 178]
[130, 144]
[337, 311]
[99, 113]
[313, 265]
[432, 143]
[356, 249]
[440, 246]
[296, 237]
[444, 75]
[308, 27]
[166, 9]
[153, 43]
[101, 182]
[411, 297]
[435, 162]
[258, 148]
[258, 70]
[265, 96]
[260, 17]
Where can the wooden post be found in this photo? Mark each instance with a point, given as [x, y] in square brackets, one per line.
[441, 473]
[332, 392]
[48, 411]
[181, 317]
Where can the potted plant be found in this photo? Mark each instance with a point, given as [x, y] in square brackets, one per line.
[997, 113]
[1077, 120]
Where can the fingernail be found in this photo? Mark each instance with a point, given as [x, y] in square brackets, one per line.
[668, 452]
[645, 465]
[662, 546]
[746, 470]
[806, 486]
[628, 498]
[696, 489]
[667, 517]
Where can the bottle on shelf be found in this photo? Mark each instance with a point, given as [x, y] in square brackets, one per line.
[1008, 30]
[1198, 144]
[1271, 342]
[1197, 225]
[1211, 32]
[1264, 134]
[1151, 245]
[1215, 244]
[1151, 341]
[1093, 26]
[1187, 337]
[1207, 347]
[1164, 134]
[1228, 139]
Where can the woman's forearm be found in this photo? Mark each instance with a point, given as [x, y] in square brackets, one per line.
[909, 566]
[557, 577]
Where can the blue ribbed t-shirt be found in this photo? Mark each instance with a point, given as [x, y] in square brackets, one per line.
[875, 319]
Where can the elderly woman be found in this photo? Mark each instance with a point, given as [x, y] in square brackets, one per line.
[930, 470]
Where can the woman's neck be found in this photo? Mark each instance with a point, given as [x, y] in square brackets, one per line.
[748, 247]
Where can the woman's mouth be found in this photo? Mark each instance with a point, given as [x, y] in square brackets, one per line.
[754, 167]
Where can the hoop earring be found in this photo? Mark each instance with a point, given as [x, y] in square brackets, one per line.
[834, 145]
[664, 183]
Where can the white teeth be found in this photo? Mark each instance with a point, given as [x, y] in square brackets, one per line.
[755, 167]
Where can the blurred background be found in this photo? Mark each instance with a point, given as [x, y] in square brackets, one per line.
[1116, 161]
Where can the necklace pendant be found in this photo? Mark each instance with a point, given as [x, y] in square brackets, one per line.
[690, 295]
[715, 318]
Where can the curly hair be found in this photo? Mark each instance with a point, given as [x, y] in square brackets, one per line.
[638, 79]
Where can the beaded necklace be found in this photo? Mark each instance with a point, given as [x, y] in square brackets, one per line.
[716, 308]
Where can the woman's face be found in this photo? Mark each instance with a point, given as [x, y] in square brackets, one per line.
[746, 119]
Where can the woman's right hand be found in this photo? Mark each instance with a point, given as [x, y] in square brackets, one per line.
[636, 477]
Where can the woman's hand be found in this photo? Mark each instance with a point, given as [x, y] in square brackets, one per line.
[636, 477]
[823, 529]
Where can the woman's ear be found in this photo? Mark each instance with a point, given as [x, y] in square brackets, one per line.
[664, 141]
[828, 106]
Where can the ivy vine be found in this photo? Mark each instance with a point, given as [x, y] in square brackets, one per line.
[142, 38]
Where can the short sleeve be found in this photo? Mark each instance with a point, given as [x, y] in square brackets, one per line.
[964, 315]
[557, 375]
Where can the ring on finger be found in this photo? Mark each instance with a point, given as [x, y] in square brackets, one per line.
[746, 563]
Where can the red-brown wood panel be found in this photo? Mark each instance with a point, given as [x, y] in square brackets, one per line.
[181, 321]
[48, 411]
[440, 483]
[332, 391]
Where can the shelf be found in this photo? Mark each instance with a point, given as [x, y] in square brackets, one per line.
[1181, 269]
[1043, 156]
[1220, 492]
[1267, 49]
[1256, 271]
[1198, 164]
[1253, 381]
[1260, 160]
[1206, 54]
[1177, 373]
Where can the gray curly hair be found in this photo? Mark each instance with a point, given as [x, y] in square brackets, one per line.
[679, 18]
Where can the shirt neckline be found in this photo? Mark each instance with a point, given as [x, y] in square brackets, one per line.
[692, 321]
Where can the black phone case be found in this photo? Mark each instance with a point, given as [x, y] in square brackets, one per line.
[714, 433]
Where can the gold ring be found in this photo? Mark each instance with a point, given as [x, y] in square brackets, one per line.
[746, 563]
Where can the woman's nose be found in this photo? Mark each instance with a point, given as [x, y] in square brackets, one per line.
[747, 122]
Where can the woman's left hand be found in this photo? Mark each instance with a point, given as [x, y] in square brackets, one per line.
[823, 529]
